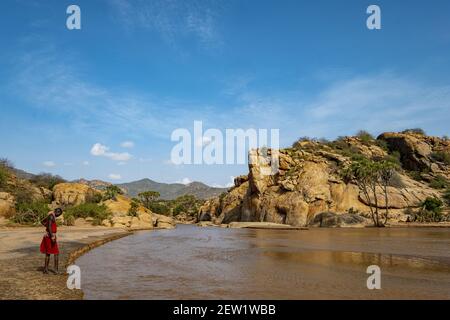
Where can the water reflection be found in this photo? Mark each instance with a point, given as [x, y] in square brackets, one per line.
[215, 263]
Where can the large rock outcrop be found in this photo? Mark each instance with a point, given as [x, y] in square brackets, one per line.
[144, 219]
[72, 194]
[308, 183]
[416, 150]
[121, 218]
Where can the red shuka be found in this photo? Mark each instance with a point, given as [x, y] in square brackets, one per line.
[47, 245]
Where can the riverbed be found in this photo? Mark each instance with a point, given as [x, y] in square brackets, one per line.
[192, 262]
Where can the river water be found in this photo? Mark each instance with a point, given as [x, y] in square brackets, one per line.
[191, 262]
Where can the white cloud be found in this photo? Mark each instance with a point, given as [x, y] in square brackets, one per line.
[85, 163]
[127, 144]
[49, 164]
[100, 150]
[185, 181]
[228, 185]
[121, 163]
[114, 176]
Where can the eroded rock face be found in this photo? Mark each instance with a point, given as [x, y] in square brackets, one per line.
[161, 221]
[72, 194]
[416, 151]
[308, 184]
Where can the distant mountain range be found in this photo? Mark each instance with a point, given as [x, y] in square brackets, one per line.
[170, 191]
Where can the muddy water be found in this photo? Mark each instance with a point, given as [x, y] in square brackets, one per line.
[215, 263]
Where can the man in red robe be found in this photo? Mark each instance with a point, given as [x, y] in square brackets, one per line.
[49, 245]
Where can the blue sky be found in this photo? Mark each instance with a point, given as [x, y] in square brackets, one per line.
[137, 70]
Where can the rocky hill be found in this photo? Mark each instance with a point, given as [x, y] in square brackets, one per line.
[309, 187]
[170, 191]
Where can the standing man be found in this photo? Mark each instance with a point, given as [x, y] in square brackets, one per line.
[49, 245]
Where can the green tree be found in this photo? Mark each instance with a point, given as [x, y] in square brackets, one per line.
[111, 192]
[370, 175]
[148, 197]
[134, 206]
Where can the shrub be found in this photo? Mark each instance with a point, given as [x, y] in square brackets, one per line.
[347, 150]
[69, 220]
[365, 137]
[5, 172]
[441, 156]
[46, 180]
[394, 157]
[439, 182]
[447, 196]
[382, 144]
[415, 130]
[111, 192]
[88, 210]
[416, 175]
[30, 212]
[95, 198]
[160, 207]
[4, 176]
[430, 211]
[134, 206]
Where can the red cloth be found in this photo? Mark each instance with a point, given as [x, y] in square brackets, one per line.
[47, 245]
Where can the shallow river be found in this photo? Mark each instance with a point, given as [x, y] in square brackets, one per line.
[190, 262]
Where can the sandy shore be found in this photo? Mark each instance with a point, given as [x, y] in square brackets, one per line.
[21, 262]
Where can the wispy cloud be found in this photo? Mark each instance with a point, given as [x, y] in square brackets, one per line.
[114, 176]
[49, 164]
[127, 144]
[172, 19]
[50, 81]
[377, 103]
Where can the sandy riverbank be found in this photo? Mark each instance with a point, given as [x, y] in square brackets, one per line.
[21, 262]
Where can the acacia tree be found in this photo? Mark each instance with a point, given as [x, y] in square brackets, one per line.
[368, 174]
[148, 197]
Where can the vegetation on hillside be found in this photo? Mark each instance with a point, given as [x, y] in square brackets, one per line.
[46, 180]
[431, 210]
[97, 212]
[186, 204]
[111, 192]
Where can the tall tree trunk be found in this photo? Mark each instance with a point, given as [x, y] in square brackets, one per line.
[367, 195]
[386, 203]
